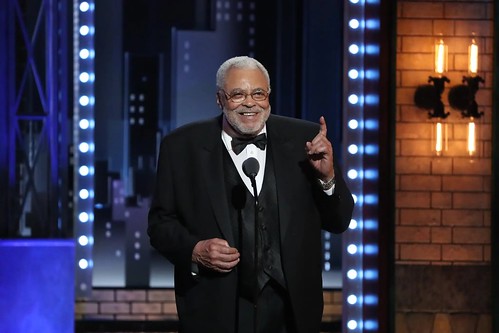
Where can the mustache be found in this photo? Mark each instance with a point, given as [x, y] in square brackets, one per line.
[252, 109]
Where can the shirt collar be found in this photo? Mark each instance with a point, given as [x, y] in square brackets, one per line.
[227, 139]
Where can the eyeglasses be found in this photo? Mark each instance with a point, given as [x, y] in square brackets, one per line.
[240, 96]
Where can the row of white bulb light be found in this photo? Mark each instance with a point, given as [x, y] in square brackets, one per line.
[84, 137]
[353, 152]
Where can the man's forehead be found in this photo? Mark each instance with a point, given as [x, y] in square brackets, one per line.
[245, 78]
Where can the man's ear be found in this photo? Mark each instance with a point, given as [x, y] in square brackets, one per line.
[219, 102]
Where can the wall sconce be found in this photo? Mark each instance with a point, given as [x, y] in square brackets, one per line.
[462, 97]
[429, 97]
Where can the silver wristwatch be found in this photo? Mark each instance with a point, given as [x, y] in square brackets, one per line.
[327, 185]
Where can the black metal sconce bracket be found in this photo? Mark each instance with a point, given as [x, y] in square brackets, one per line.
[429, 97]
[462, 97]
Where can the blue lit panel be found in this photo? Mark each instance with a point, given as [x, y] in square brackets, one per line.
[354, 152]
[83, 138]
[361, 124]
[36, 286]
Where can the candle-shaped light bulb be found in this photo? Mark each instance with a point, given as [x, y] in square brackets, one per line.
[439, 135]
[440, 57]
[473, 57]
[471, 137]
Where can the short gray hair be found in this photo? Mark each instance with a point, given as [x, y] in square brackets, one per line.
[243, 62]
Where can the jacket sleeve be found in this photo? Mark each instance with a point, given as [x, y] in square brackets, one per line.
[336, 210]
[166, 229]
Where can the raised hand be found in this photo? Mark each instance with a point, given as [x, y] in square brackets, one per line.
[320, 153]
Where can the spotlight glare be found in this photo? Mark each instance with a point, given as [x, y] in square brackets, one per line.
[84, 194]
[353, 149]
[83, 240]
[84, 124]
[84, 100]
[84, 53]
[353, 74]
[353, 124]
[352, 274]
[84, 30]
[83, 217]
[371, 299]
[352, 174]
[84, 77]
[84, 6]
[83, 263]
[353, 49]
[84, 147]
[354, 23]
[84, 170]
[353, 99]
[372, 149]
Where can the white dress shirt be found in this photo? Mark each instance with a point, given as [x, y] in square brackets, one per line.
[249, 151]
[253, 151]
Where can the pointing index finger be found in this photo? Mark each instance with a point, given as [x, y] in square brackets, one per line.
[323, 129]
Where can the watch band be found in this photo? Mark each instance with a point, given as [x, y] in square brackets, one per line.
[327, 185]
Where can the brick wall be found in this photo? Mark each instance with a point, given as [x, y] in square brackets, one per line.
[126, 304]
[442, 203]
[159, 304]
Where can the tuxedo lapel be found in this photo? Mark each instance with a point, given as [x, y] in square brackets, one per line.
[281, 150]
[213, 173]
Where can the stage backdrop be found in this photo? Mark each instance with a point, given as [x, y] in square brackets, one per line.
[155, 71]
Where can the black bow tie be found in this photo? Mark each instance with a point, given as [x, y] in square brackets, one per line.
[238, 144]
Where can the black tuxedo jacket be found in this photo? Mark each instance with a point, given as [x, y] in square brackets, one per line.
[190, 204]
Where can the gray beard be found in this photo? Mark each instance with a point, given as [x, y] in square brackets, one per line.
[235, 129]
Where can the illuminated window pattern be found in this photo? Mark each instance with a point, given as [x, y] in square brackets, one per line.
[83, 137]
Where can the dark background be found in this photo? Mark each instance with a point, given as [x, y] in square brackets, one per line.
[155, 70]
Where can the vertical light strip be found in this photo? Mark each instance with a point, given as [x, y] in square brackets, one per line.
[83, 142]
[353, 152]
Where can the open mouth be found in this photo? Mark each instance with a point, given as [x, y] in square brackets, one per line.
[249, 114]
